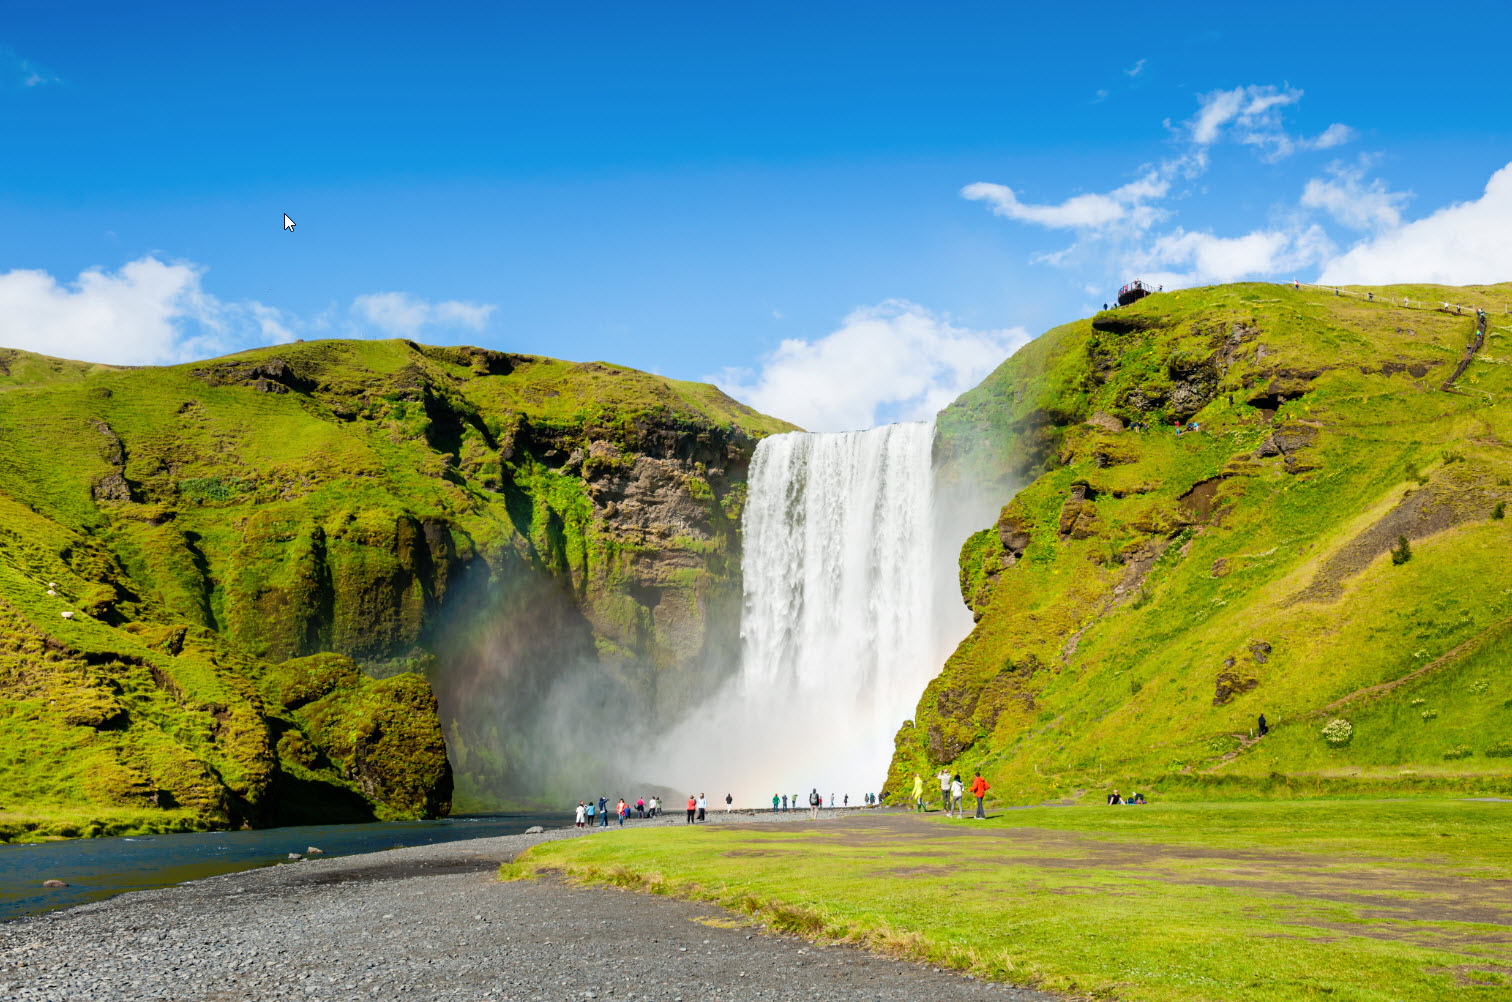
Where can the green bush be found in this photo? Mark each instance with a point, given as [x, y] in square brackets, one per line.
[1458, 751]
[1402, 553]
[1500, 511]
[1429, 714]
[1134, 686]
[1338, 732]
[1502, 749]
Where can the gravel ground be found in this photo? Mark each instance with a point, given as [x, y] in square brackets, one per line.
[433, 922]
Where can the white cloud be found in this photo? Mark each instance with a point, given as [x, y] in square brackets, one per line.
[1136, 69]
[1460, 244]
[400, 314]
[147, 312]
[150, 312]
[893, 361]
[1184, 258]
[1090, 211]
[23, 72]
[1349, 199]
[1251, 116]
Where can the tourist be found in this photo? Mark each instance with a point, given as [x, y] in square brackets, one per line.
[1114, 798]
[815, 802]
[784, 802]
[590, 814]
[832, 801]
[775, 800]
[703, 806]
[846, 803]
[622, 812]
[580, 815]
[956, 791]
[918, 794]
[692, 807]
[603, 812]
[979, 791]
[1264, 728]
[729, 802]
[795, 801]
[640, 807]
[944, 778]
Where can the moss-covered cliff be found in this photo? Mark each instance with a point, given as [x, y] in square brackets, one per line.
[1146, 594]
[223, 585]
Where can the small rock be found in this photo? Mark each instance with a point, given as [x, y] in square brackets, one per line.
[66, 615]
[52, 584]
[51, 593]
[312, 851]
[535, 830]
[53, 883]
[293, 855]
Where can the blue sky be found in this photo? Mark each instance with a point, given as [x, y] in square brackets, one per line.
[845, 214]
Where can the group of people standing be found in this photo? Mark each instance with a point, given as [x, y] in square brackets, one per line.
[951, 793]
[587, 813]
[780, 801]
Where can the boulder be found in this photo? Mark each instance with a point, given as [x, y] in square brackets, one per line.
[535, 830]
[53, 883]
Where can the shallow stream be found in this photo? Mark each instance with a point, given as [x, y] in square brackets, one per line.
[97, 868]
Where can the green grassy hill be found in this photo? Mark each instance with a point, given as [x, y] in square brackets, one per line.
[223, 584]
[1146, 595]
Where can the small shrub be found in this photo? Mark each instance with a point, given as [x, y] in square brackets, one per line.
[1453, 456]
[1419, 701]
[1429, 714]
[1500, 511]
[1502, 749]
[1338, 732]
[1458, 751]
[1479, 686]
[1402, 553]
[1415, 473]
[1134, 686]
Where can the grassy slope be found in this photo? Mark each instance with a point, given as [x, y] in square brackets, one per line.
[1098, 656]
[275, 503]
[1365, 902]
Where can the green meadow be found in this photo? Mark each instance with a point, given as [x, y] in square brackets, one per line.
[1365, 901]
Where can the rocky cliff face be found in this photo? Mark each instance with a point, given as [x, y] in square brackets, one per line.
[1151, 586]
[507, 527]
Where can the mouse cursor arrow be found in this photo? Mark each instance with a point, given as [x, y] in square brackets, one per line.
[288, 223]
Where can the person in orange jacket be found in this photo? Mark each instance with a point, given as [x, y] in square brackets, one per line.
[979, 790]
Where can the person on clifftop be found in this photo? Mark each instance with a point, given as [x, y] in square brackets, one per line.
[979, 791]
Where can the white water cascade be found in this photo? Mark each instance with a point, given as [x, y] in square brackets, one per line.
[851, 607]
[841, 628]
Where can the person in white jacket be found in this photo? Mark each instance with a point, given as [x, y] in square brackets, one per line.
[944, 778]
[582, 814]
[956, 790]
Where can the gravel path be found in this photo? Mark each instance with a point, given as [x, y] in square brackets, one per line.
[433, 922]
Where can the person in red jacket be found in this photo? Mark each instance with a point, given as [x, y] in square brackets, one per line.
[979, 791]
[692, 807]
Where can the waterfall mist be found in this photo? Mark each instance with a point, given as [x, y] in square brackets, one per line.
[847, 616]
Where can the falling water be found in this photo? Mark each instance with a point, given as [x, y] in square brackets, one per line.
[850, 608]
[839, 625]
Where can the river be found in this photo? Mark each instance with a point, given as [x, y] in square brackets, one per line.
[98, 868]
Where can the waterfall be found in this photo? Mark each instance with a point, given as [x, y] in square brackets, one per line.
[851, 605]
[839, 628]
